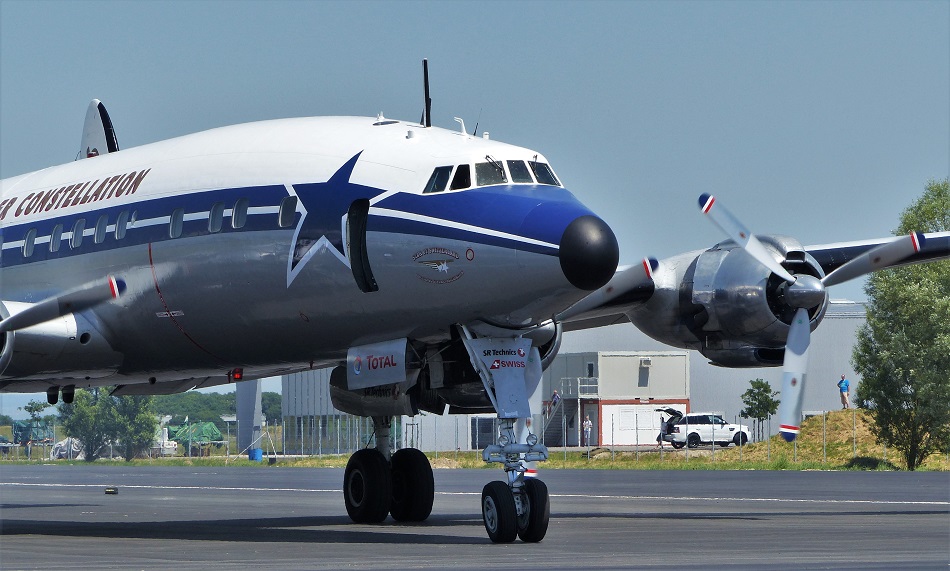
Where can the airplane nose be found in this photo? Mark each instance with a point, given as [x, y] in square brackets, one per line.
[589, 253]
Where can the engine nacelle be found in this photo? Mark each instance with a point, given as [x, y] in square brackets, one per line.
[67, 347]
[382, 400]
[725, 304]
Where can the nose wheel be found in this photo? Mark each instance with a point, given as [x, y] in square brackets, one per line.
[520, 507]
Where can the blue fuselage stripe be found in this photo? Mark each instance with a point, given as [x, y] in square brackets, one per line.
[523, 217]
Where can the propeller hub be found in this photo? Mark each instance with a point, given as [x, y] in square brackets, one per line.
[806, 292]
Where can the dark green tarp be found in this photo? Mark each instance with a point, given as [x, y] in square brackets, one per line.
[196, 432]
[26, 430]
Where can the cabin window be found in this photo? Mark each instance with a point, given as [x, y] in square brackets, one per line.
[438, 180]
[543, 173]
[101, 226]
[239, 214]
[28, 241]
[490, 173]
[287, 212]
[519, 172]
[216, 217]
[121, 224]
[175, 223]
[55, 237]
[463, 178]
[78, 228]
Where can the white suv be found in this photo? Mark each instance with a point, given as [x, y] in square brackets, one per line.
[702, 428]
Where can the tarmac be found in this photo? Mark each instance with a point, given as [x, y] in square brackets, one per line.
[183, 518]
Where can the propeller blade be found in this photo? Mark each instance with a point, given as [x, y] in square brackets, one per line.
[78, 299]
[622, 282]
[793, 377]
[732, 227]
[877, 258]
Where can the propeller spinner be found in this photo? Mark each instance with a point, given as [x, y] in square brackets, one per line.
[803, 292]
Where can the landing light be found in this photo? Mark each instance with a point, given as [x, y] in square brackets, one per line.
[532, 439]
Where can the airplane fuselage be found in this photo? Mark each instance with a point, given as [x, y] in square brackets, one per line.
[237, 246]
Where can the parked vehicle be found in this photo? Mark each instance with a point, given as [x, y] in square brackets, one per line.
[698, 428]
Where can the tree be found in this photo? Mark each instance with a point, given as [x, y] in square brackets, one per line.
[91, 419]
[903, 350]
[760, 403]
[34, 408]
[136, 424]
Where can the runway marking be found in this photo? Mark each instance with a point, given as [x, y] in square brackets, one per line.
[577, 496]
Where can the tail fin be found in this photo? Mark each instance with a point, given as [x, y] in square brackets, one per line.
[98, 136]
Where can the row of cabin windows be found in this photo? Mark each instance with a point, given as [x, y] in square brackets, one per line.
[489, 173]
[285, 219]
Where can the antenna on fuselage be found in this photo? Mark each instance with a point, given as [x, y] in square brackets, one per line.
[427, 112]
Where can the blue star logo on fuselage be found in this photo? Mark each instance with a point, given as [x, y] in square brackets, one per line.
[322, 224]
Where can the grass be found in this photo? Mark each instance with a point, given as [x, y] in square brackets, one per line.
[845, 443]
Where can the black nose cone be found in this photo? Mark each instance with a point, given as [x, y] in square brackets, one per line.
[589, 253]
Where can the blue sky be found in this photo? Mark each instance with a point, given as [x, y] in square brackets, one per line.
[818, 120]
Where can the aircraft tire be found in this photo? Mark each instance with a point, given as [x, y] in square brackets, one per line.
[499, 513]
[367, 486]
[533, 526]
[412, 484]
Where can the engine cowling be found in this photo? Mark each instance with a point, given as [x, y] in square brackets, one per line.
[67, 347]
[727, 305]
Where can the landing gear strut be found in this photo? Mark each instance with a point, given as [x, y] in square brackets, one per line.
[377, 483]
[521, 507]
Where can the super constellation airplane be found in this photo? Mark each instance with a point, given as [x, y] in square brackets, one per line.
[435, 271]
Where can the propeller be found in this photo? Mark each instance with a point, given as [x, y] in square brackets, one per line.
[622, 282]
[803, 292]
[83, 297]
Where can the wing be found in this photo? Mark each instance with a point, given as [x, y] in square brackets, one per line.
[936, 246]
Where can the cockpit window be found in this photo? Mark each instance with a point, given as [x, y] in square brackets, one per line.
[463, 178]
[490, 173]
[543, 173]
[438, 180]
[519, 172]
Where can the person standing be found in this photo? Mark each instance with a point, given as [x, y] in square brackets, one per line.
[844, 389]
[587, 426]
[659, 437]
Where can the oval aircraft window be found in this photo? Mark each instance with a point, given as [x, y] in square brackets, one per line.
[239, 214]
[176, 222]
[121, 224]
[78, 228]
[28, 242]
[216, 217]
[101, 226]
[55, 237]
[287, 212]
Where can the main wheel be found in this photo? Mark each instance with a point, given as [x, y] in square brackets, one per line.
[367, 486]
[499, 512]
[412, 484]
[693, 440]
[533, 524]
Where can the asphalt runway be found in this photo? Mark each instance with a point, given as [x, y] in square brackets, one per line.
[58, 517]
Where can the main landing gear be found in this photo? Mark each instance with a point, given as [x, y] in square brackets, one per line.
[521, 507]
[377, 483]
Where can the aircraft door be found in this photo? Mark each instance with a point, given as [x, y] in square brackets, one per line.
[356, 218]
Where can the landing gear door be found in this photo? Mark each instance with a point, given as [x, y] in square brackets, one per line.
[504, 363]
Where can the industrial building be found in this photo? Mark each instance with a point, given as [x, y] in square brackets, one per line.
[615, 374]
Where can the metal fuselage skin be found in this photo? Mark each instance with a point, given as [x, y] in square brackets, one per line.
[221, 275]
